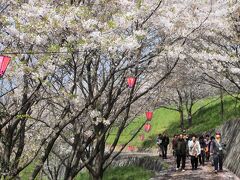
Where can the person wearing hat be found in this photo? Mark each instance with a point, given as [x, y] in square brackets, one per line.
[216, 151]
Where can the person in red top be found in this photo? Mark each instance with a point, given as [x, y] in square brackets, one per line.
[174, 144]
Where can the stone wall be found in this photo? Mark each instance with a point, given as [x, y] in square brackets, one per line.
[153, 163]
[231, 136]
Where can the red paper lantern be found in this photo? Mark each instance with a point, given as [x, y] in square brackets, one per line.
[4, 61]
[131, 148]
[147, 127]
[131, 81]
[141, 137]
[149, 115]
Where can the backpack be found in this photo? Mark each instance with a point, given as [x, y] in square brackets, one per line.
[159, 141]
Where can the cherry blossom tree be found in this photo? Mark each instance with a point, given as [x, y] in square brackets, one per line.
[67, 90]
[217, 50]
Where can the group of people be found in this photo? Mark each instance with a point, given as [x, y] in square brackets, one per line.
[199, 150]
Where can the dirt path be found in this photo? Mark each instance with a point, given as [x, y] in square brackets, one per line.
[203, 172]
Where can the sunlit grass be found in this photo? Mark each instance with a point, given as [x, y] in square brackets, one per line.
[122, 173]
[165, 120]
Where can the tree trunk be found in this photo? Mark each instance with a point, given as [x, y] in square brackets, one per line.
[222, 105]
[97, 177]
[99, 160]
[181, 119]
[98, 169]
[180, 109]
[5, 164]
[190, 115]
[189, 120]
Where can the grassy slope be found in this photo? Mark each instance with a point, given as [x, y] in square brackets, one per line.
[166, 120]
[27, 172]
[119, 173]
[161, 121]
[122, 173]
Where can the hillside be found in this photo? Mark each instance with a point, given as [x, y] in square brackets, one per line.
[206, 117]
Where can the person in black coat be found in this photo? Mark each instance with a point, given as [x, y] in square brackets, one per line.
[203, 146]
[165, 142]
[209, 147]
[181, 152]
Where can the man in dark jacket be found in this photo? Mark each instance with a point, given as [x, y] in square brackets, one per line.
[165, 142]
[217, 148]
[181, 151]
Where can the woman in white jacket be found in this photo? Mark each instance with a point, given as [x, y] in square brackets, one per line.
[194, 151]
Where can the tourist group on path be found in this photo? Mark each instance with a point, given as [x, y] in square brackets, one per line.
[198, 150]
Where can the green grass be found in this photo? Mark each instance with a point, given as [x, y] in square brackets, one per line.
[165, 120]
[122, 173]
[161, 121]
[209, 118]
[117, 173]
[27, 172]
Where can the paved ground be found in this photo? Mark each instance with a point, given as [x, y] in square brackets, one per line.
[203, 172]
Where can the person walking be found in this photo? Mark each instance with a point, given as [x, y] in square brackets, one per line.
[165, 142]
[202, 155]
[174, 144]
[181, 151]
[216, 150]
[159, 143]
[187, 138]
[194, 152]
[207, 149]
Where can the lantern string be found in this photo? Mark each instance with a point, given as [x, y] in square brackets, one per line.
[41, 52]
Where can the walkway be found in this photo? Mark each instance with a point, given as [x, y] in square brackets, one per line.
[203, 172]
